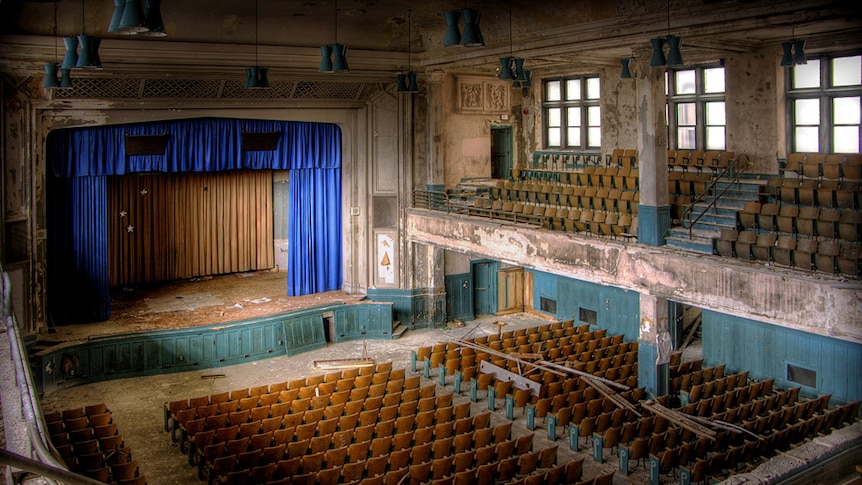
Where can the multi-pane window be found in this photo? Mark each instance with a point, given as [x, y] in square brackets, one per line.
[572, 113]
[696, 110]
[824, 107]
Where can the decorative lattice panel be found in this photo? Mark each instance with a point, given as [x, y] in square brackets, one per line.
[100, 88]
[276, 90]
[181, 88]
[327, 90]
[103, 88]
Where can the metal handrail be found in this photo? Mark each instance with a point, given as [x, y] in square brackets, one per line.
[733, 172]
[440, 201]
[47, 463]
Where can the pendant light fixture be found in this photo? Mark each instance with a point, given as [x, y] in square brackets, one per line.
[471, 36]
[334, 56]
[794, 51]
[256, 77]
[407, 82]
[54, 76]
[141, 17]
[511, 67]
[674, 55]
[626, 72]
[85, 57]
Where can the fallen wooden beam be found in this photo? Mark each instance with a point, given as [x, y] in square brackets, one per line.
[680, 419]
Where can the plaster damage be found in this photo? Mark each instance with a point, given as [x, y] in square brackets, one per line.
[821, 305]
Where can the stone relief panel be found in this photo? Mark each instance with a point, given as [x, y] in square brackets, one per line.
[478, 95]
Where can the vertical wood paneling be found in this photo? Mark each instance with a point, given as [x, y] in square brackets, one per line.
[188, 225]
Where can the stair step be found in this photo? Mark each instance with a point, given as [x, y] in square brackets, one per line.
[696, 244]
[398, 329]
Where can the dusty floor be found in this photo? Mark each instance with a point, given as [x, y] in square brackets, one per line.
[199, 301]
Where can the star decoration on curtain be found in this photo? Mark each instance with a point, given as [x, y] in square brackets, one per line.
[143, 191]
[130, 228]
[123, 213]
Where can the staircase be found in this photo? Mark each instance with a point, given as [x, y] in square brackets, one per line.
[721, 216]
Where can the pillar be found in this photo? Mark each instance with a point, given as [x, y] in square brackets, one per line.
[654, 206]
[654, 345]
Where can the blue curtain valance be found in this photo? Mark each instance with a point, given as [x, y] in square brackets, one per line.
[198, 145]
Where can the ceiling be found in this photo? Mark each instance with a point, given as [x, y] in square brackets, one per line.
[208, 34]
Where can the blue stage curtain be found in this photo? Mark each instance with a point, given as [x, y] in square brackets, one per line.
[78, 285]
[311, 151]
[314, 259]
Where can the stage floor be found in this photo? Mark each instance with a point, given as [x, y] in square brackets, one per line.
[194, 302]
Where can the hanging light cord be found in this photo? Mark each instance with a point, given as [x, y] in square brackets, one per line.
[409, 40]
[56, 48]
[336, 21]
[510, 28]
[83, 17]
[256, 30]
[668, 18]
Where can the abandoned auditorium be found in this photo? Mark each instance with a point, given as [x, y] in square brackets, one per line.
[384, 242]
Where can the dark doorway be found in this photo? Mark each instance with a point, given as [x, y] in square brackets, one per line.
[501, 151]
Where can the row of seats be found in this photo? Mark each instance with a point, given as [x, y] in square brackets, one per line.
[299, 413]
[698, 160]
[90, 444]
[805, 221]
[833, 166]
[826, 255]
[566, 197]
[619, 157]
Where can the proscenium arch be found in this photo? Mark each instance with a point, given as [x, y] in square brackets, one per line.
[351, 121]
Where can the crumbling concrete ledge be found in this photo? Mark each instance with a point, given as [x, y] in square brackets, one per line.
[820, 460]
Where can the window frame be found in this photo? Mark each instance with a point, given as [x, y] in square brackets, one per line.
[825, 93]
[700, 98]
[583, 105]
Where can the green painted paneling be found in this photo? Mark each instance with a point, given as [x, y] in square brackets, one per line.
[617, 310]
[131, 355]
[413, 308]
[765, 350]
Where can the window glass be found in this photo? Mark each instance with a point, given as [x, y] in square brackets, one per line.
[573, 89]
[807, 75]
[593, 88]
[553, 137]
[808, 111]
[595, 135]
[685, 137]
[715, 138]
[685, 82]
[554, 118]
[594, 116]
[713, 80]
[845, 111]
[574, 116]
[686, 114]
[847, 71]
[573, 136]
[552, 91]
[715, 113]
[846, 139]
[807, 139]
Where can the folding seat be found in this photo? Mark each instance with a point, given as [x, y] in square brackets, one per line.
[806, 191]
[827, 252]
[782, 253]
[786, 217]
[804, 253]
[421, 453]
[805, 221]
[849, 256]
[744, 243]
[849, 225]
[766, 220]
[789, 191]
[762, 250]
